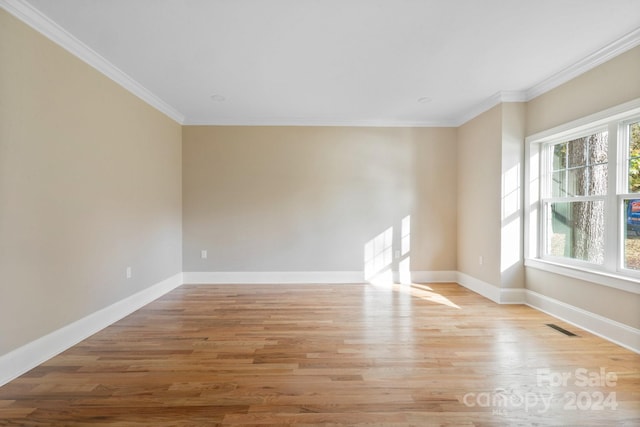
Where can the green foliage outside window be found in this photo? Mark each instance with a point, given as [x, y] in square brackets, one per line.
[634, 158]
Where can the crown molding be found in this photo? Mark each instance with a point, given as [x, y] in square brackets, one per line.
[489, 103]
[300, 121]
[601, 56]
[41, 23]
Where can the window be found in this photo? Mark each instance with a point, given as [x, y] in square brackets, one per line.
[574, 198]
[631, 200]
[584, 198]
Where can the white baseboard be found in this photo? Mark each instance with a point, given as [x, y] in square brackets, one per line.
[302, 277]
[272, 277]
[485, 289]
[616, 332]
[27, 357]
[513, 296]
[494, 293]
[434, 276]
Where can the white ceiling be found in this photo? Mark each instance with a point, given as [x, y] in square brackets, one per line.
[351, 62]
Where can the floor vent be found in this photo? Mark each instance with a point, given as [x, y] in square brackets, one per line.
[563, 330]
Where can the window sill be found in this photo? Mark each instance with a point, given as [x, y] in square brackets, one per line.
[624, 283]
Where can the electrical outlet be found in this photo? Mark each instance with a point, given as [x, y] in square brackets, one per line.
[480, 260]
[397, 254]
[203, 254]
[128, 273]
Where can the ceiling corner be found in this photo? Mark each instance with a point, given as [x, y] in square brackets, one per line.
[48, 28]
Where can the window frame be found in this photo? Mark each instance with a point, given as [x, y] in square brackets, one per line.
[547, 198]
[538, 194]
[623, 188]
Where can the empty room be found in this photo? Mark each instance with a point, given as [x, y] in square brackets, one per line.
[320, 213]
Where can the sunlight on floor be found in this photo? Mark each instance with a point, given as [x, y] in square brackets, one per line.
[418, 290]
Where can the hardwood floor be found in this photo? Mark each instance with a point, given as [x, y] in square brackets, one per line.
[310, 355]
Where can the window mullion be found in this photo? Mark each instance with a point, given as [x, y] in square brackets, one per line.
[546, 178]
[612, 240]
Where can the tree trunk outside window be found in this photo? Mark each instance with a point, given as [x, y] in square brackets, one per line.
[587, 234]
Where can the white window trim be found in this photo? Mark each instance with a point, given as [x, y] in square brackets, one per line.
[610, 276]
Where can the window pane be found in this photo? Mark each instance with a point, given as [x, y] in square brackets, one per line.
[586, 181]
[577, 152]
[576, 230]
[577, 182]
[597, 182]
[580, 167]
[634, 158]
[560, 156]
[597, 148]
[559, 185]
[632, 235]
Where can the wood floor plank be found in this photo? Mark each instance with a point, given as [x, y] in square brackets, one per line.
[309, 355]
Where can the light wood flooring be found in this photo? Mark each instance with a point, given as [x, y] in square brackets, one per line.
[332, 355]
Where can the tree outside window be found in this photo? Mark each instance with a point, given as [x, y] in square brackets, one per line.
[577, 210]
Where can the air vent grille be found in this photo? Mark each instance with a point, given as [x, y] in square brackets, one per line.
[563, 330]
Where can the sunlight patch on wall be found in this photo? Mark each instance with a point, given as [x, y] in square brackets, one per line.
[511, 192]
[404, 270]
[387, 256]
[405, 240]
[378, 254]
[511, 221]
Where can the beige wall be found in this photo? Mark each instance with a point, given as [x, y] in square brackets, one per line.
[490, 217]
[90, 183]
[479, 196]
[310, 198]
[607, 85]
